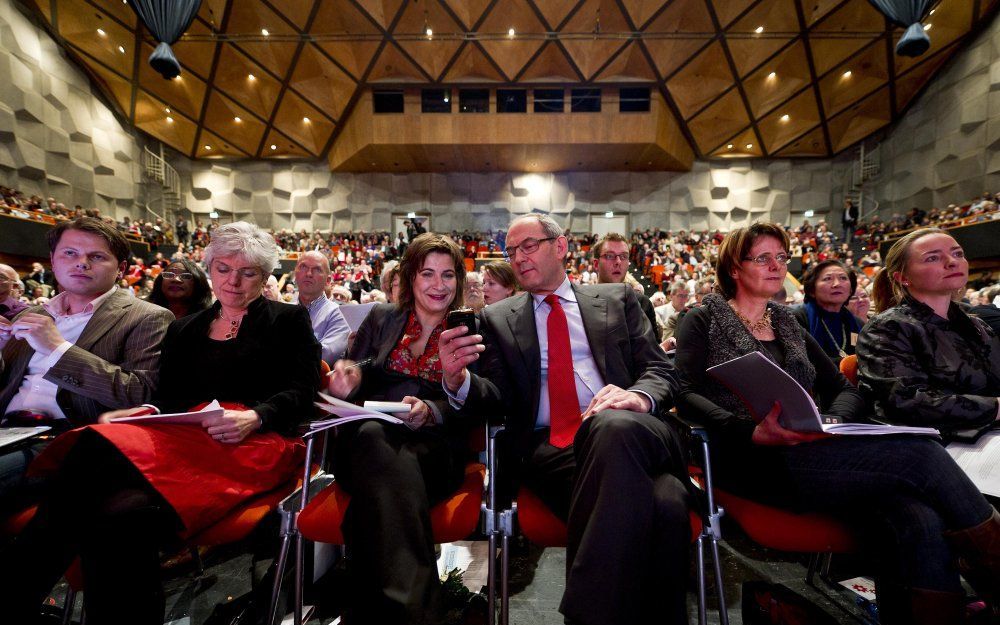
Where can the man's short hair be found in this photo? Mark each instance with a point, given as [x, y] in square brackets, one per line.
[116, 241]
[678, 287]
[611, 236]
[550, 227]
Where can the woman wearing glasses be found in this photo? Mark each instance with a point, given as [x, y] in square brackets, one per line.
[902, 496]
[182, 288]
[122, 492]
[828, 286]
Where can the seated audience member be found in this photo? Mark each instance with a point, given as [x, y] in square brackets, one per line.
[922, 359]
[474, 297]
[115, 504]
[581, 381]
[389, 281]
[828, 286]
[271, 289]
[40, 276]
[611, 253]
[679, 296]
[91, 349]
[860, 304]
[341, 295]
[986, 310]
[396, 474]
[903, 495]
[499, 282]
[312, 274]
[10, 304]
[182, 288]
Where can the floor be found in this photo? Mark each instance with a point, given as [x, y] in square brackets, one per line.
[223, 591]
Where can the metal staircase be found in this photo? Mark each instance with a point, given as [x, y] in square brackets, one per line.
[866, 167]
[158, 170]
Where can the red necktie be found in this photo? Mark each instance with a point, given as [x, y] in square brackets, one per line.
[564, 405]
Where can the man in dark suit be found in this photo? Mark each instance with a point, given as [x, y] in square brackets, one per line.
[611, 253]
[91, 349]
[581, 380]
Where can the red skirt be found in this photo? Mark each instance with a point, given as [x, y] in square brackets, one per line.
[200, 477]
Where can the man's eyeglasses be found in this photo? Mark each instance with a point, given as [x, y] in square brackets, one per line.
[184, 277]
[5, 280]
[766, 259]
[613, 257]
[527, 246]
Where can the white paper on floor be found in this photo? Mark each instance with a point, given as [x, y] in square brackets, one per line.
[861, 586]
[470, 557]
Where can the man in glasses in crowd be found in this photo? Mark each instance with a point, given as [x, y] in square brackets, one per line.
[611, 253]
[90, 349]
[578, 374]
[10, 305]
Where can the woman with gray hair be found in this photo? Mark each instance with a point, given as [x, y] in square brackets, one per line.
[125, 490]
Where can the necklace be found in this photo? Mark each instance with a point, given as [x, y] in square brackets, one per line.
[754, 326]
[234, 325]
[842, 347]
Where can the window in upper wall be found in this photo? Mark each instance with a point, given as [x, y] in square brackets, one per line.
[512, 100]
[585, 101]
[549, 100]
[633, 99]
[435, 101]
[388, 101]
[473, 100]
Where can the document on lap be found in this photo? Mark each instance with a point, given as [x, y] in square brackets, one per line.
[212, 410]
[346, 412]
[354, 314]
[759, 382]
[980, 461]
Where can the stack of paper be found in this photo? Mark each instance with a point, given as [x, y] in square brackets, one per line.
[345, 412]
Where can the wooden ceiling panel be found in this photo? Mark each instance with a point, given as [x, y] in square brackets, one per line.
[721, 120]
[381, 11]
[950, 21]
[986, 6]
[789, 120]
[630, 65]
[590, 54]
[79, 25]
[777, 80]
[860, 120]
[641, 10]
[512, 54]
[748, 54]
[743, 145]
[852, 17]
[810, 144]
[119, 10]
[185, 93]
[254, 17]
[469, 11]
[342, 19]
[728, 10]
[297, 12]
[774, 16]
[235, 124]
[701, 80]
[551, 65]
[303, 122]
[278, 145]
[868, 71]
[171, 128]
[321, 82]
[665, 35]
[210, 145]
[828, 52]
[196, 55]
[434, 53]
[211, 13]
[233, 77]
[473, 66]
[555, 11]
[815, 10]
[393, 66]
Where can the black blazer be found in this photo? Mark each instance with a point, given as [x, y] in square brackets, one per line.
[272, 366]
[622, 341]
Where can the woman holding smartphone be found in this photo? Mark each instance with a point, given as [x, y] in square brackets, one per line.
[395, 473]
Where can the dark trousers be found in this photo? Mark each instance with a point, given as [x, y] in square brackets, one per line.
[619, 488]
[98, 506]
[17, 490]
[899, 493]
[394, 476]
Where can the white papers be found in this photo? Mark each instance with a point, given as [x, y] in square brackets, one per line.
[179, 418]
[759, 383]
[390, 407]
[345, 412]
[861, 586]
[10, 436]
[980, 461]
[355, 314]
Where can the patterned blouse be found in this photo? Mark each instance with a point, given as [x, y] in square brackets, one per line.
[427, 365]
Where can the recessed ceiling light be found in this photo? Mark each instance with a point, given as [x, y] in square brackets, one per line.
[167, 109]
[927, 26]
[177, 77]
[100, 31]
[758, 30]
[785, 118]
[208, 147]
[749, 146]
[274, 147]
[305, 120]
[847, 74]
[251, 77]
[446, 99]
[237, 119]
[429, 32]
[170, 120]
[121, 49]
[729, 147]
[264, 32]
[511, 32]
[772, 75]
[932, 12]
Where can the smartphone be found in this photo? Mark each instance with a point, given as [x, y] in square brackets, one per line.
[463, 316]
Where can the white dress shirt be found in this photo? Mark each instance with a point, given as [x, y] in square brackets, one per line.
[36, 393]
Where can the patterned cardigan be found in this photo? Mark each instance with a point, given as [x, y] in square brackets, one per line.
[920, 369]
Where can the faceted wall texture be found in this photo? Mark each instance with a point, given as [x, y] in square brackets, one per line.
[56, 138]
[718, 194]
[946, 148]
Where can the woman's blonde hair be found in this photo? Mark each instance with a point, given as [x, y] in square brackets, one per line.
[886, 290]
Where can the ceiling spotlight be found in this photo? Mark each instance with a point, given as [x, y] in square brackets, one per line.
[429, 32]
[447, 99]
[749, 146]
[785, 118]
[237, 119]
[511, 32]
[177, 77]
[121, 49]
[170, 120]
[729, 147]
[208, 147]
[100, 31]
[264, 32]
[927, 26]
[274, 147]
[772, 75]
[847, 74]
[167, 109]
[305, 120]
[932, 12]
[758, 30]
[251, 77]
